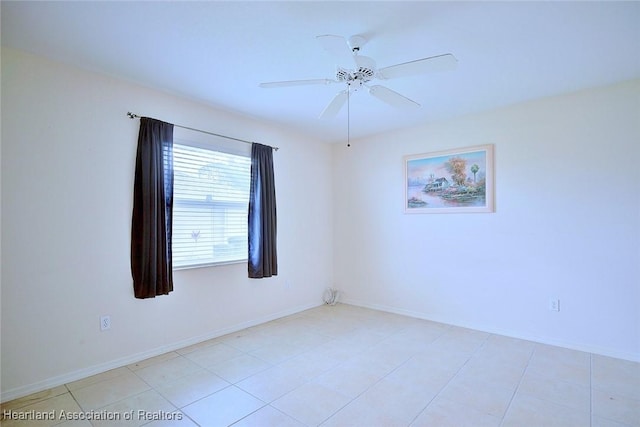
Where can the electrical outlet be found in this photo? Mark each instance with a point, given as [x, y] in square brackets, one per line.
[105, 323]
[554, 304]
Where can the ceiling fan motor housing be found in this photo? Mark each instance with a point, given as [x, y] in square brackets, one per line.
[356, 42]
[365, 72]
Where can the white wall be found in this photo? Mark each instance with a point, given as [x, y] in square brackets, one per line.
[68, 157]
[567, 225]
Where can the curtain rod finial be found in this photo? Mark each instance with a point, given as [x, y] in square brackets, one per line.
[131, 115]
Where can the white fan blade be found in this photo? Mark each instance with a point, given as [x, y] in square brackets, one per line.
[335, 105]
[297, 83]
[391, 97]
[338, 48]
[426, 65]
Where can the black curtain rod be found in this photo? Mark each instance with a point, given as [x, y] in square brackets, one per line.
[135, 116]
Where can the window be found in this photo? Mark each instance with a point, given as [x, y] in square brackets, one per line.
[210, 202]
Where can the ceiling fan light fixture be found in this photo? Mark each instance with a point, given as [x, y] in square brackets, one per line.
[354, 85]
[366, 63]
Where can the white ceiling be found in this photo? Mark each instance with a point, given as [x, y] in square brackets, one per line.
[219, 52]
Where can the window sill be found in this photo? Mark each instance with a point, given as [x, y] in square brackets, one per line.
[210, 264]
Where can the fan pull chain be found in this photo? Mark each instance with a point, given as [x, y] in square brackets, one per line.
[348, 116]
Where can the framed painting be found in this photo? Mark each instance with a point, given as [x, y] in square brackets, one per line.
[453, 181]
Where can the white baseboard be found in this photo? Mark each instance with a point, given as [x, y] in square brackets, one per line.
[79, 374]
[633, 357]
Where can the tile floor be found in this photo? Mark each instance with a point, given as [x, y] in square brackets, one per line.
[350, 366]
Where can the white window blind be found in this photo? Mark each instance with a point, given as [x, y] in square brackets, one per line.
[210, 202]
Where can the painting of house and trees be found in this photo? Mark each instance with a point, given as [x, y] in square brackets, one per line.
[450, 181]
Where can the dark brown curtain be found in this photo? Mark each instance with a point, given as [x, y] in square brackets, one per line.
[151, 266]
[263, 258]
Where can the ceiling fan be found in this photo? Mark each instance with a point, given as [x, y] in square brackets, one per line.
[358, 71]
